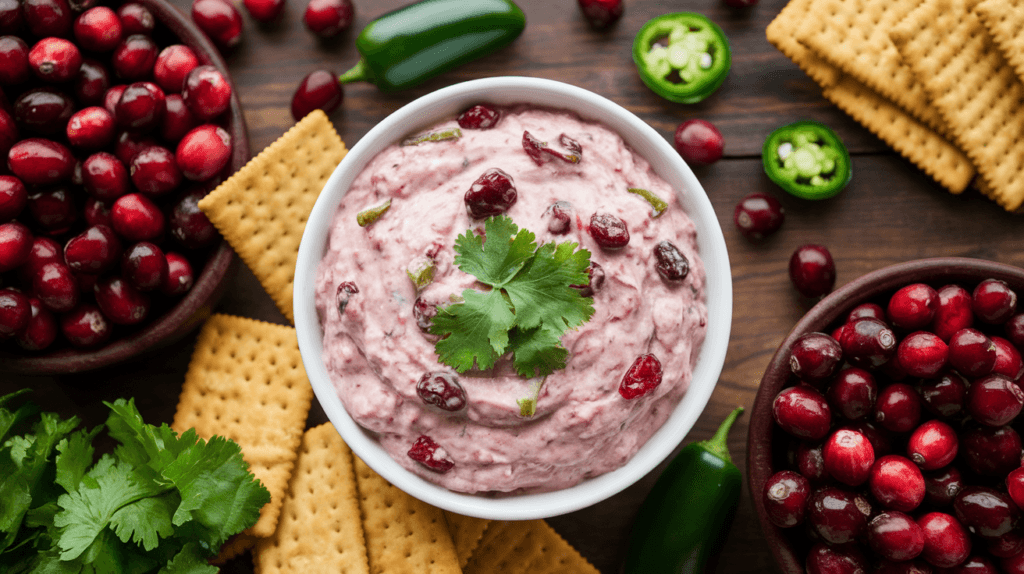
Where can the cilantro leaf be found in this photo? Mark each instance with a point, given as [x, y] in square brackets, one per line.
[74, 458]
[190, 560]
[141, 443]
[496, 260]
[539, 292]
[477, 330]
[537, 352]
[146, 520]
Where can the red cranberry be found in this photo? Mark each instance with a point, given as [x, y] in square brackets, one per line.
[977, 565]
[91, 128]
[104, 177]
[220, 20]
[112, 96]
[41, 330]
[699, 142]
[141, 107]
[172, 65]
[144, 266]
[92, 83]
[14, 68]
[815, 357]
[933, 445]
[8, 132]
[53, 210]
[137, 218]
[178, 120]
[985, 511]
[13, 197]
[265, 11]
[55, 287]
[837, 515]
[85, 326]
[1015, 486]
[848, 457]
[867, 343]
[972, 353]
[785, 498]
[97, 212]
[991, 451]
[136, 19]
[328, 18]
[154, 171]
[853, 393]
[561, 217]
[601, 13]
[898, 408]
[424, 312]
[993, 301]
[1013, 564]
[897, 483]
[493, 193]
[1015, 330]
[871, 310]
[953, 312]
[430, 454]
[93, 251]
[15, 245]
[608, 231]
[203, 152]
[120, 302]
[129, 144]
[812, 270]
[994, 400]
[479, 117]
[669, 262]
[540, 153]
[758, 215]
[86, 282]
[810, 462]
[843, 559]
[206, 92]
[346, 289]
[802, 412]
[134, 57]
[922, 354]
[43, 110]
[913, 307]
[15, 313]
[189, 225]
[442, 390]
[944, 395]
[946, 541]
[10, 16]
[38, 161]
[47, 17]
[44, 250]
[1007, 545]
[98, 29]
[1008, 359]
[319, 90]
[642, 377]
[895, 536]
[942, 486]
[180, 276]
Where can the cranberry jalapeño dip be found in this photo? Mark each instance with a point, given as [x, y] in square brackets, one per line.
[511, 300]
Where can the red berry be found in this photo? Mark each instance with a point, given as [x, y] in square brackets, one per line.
[758, 215]
[1015, 330]
[13, 197]
[47, 17]
[53, 210]
[203, 152]
[608, 231]
[206, 91]
[867, 343]
[848, 457]
[43, 110]
[897, 483]
[172, 65]
[993, 301]
[812, 270]
[137, 218]
[38, 161]
[1015, 486]
[994, 400]
[220, 20]
[189, 225]
[15, 313]
[844, 559]
[946, 541]
[699, 142]
[141, 107]
[431, 455]
[944, 395]
[913, 307]
[134, 57]
[986, 511]
[154, 171]
[97, 212]
[642, 377]
[8, 132]
[85, 326]
[104, 176]
[55, 287]
[870, 310]
[43, 250]
[112, 96]
[41, 330]
[129, 144]
[442, 390]
[479, 117]
[1008, 359]
[144, 266]
[136, 19]
[1007, 545]
[264, 10]
[98, 29]
[180, 276]
[802, 412]
[670, 263]
[922, 354]
[898, 408]
[601, 13]
[810, 463]
[895, 536]
[14, 67]
[977, 565]
[953, 312]
[990, 451]
[785, 498]
[814, 357]
[933, 445]
[94, 251]
[120, 302]
[838, 516]
[942, 486]
[328, 18]
[15, 245]
[91, 128]
[178, 120]
[853, 393]
[319, 90]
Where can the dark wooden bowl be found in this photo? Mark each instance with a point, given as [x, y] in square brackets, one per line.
[766, 444]
[191, 310]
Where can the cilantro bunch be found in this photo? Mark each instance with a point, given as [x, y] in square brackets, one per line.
[159, 503]
[530, 305]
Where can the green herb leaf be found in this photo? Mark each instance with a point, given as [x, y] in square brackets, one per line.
[477, 330]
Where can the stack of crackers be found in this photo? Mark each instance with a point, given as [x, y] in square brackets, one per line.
[329, 511]
[938, 80]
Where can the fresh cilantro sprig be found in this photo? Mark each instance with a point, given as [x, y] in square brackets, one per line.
[161, 502]
[530, 305]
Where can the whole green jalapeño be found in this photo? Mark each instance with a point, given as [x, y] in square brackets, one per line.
[807, 159]
[682, 57]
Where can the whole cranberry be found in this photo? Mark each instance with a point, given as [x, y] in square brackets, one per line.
[13, 197]
[129, 144]
[43, 250]
[881, 439]
[203, 152]
[895, 536]
[14, 68]
[85, 326]
[97, 212]
[154, 171]
[55, 287]
[812, 270]
[112, 96]
[977, 565]
[8, 132]
[994, 400]
[15, 313]
[98, 29]
[137, 218]
[802, 412]
[986, 511]
[141, 107]
[990, 451]
[913, 307]
[220, 20]
[442, 389]
[953, 312]
[38, 161]
[848, 457]
[47, 17]
[1015, 330]
[180, 276]
[120, 302]
[608, 231]
[178, 120]
[92, 83]
[206, 91]
[898, 408]
[43, 110]
[993, 301]
[93, 251]
[972, 353]
[758, 215]
[1008, 360]
[670, 263]
[870, 310]
[785, 498]
[1015, 486]
[104, 176]
[135, 57]
[699, 142]
[53, 210]
[41, 330]
[942, 486]
[265, 11]
[933, 445]
[319, 90]
[144, 266]
[944, 395]
[1013, 564]
[15, 245]
[642, 377]
[946, 541]
[91, 128]
[188, 224]
[843, 559]
[136, 18]
[922, 354]
[897, 483]
[479, 117]
[814, 357]
[867, 343]
[853, 393]
[328, 18]
[10, 16]
[838, 516]
[810, 463]
[172, 65]
[1007, 545]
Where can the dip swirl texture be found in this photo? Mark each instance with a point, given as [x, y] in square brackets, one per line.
[376, 353]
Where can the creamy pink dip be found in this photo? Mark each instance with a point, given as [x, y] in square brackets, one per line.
[376, 353]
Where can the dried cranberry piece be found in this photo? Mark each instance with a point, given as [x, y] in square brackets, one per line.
[345, 291]
[424, 313]
[672, 265]
[442, 390]
[561, 217]
[493, 193]
[536, 149]
[641, 378]
[430, 454]
[479, 117]
[609, 231]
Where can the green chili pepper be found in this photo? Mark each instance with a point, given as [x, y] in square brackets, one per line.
[412, 44]
[683, 57]
[807, 159]
[686, 517]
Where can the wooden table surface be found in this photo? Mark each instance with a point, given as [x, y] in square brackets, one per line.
[891, 212]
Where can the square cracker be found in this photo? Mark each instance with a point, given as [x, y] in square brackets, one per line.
[1004, 20]
[780, 33]
[974, 88]
[853, 37]
[403, 535]
[466, 534]
[525, 547]
[246, 382]
[929, 151]
[320, 529]
[262, 209]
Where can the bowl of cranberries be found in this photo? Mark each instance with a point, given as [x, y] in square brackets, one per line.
[114, 122]
[885, 435]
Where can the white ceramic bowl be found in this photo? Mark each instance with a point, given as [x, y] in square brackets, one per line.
[448, 103]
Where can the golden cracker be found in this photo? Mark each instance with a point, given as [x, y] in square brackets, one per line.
[320, 529]
[233, 548]
[780, 33]
[262, 209]
[525, 547]
[853, 37]
[926, 149]
[466, 533]
[403, 535]
[973, 87]
[1004, 20]
[246, 382]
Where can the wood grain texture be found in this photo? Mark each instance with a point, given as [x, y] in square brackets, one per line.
[890, 212]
